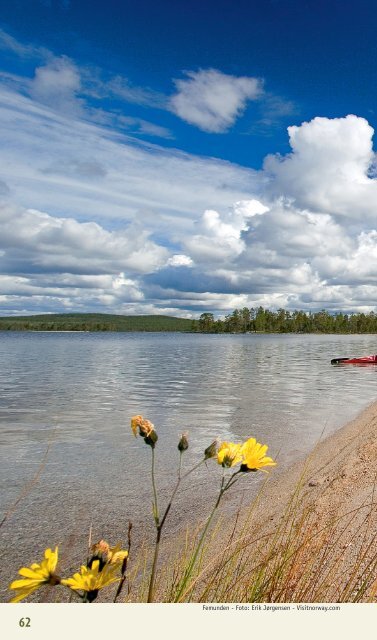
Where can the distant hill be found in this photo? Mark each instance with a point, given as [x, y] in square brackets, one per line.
[95, 322]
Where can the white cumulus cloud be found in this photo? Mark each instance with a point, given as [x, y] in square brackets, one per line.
[328, 167]
[212, 100]
[41, 242]
[179, 260]
[220, 235]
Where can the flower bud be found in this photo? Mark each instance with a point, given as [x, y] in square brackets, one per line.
[100, 548]
[183, 443]
[151, 438]
[211, 451]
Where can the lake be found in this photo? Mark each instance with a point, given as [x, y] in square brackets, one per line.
[78, 391]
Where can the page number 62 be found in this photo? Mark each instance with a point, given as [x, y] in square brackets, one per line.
[24, 622]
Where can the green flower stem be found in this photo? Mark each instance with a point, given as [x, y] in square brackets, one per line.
[232, 480]
[224, 487]
[159, 524]
[155, 503]
[154, 566]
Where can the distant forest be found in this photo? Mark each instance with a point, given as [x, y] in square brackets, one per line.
[265, 321]
[258, 320]
[93, 322]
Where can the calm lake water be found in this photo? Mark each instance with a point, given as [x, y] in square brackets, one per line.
[78, 392]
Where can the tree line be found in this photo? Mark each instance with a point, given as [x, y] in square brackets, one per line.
[282, 321]
[255, 320]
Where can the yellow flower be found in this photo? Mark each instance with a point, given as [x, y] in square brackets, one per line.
[229, 454]
[116, 555]
[254, 457]
[92, 578]
[36, 575]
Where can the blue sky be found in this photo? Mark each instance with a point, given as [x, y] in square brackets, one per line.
[181, 157]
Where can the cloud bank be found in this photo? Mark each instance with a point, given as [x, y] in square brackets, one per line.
[93, 219]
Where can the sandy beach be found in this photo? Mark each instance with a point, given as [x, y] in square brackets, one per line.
[336, 481]
[338, 475]
[337, 487]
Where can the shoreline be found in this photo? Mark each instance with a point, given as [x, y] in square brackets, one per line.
[344, 462]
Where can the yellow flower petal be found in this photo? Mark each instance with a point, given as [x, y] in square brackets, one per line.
[24, 593]
[117, 554]
[254, 457]
[36, 575]
[21, 584]
[229, 454]
[92, 579]
[29, 573]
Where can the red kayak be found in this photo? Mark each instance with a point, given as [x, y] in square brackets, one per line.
[352, 360]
